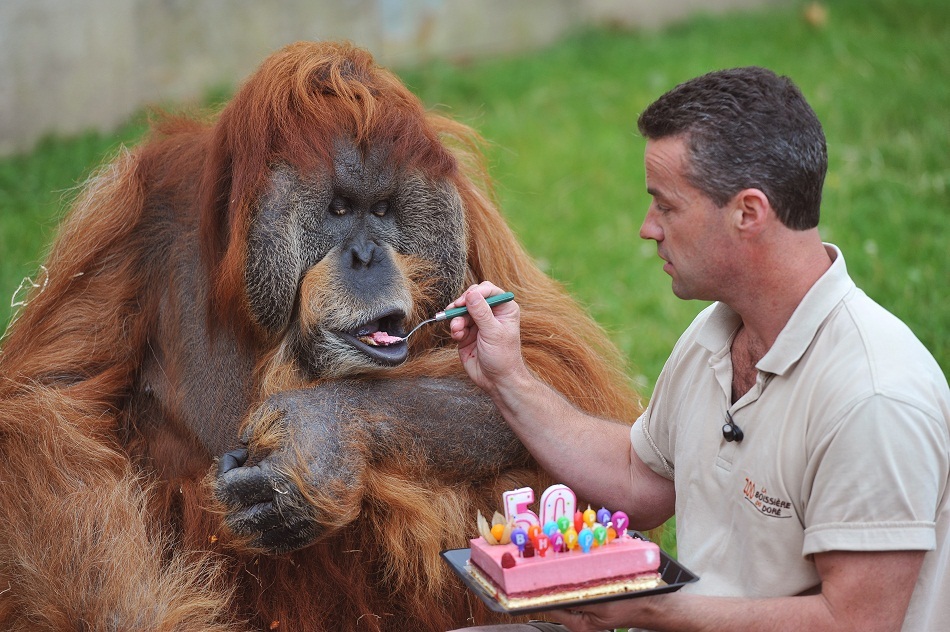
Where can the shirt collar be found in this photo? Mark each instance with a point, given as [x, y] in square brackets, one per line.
[716, 333]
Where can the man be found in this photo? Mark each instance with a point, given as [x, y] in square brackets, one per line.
[799, 431]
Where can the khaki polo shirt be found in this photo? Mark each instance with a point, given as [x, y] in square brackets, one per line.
[846, 447]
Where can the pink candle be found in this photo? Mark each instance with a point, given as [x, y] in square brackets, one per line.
[516, 507]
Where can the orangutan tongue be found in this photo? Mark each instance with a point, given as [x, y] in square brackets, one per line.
[384, 339]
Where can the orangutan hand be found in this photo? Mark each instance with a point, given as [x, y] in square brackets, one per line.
[298, 478]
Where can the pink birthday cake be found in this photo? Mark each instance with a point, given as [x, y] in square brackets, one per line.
[524, 559]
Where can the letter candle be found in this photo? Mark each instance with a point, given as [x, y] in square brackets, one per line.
[620, 522]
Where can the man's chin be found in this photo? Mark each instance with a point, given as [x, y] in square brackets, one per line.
[682, 291]
[681, 295]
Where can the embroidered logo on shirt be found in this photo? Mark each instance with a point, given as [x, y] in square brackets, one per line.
[765, 504]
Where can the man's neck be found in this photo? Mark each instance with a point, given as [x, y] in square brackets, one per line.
[746, 353]
[775, 285]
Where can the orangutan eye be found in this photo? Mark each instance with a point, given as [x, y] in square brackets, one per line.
[338, 206]
[380, 208]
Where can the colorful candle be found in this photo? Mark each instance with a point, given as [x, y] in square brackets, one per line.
[533, 532]
[578, 521]
[543, 544]
[620, 522]
[585, 539]
[563, 524]
[590, 517]
[520, 538]
[570, 539]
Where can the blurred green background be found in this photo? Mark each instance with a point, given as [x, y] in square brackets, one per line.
[560, 130]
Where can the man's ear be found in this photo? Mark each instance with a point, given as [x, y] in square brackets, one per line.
[751, 211]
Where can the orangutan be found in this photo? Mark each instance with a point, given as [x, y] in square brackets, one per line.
[200, 429]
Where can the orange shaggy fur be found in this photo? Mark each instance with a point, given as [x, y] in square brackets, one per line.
[109, 528]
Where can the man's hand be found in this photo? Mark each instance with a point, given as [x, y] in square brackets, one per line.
[563, 438]
[489, 341]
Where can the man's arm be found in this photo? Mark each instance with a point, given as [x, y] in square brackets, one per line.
[861, 591]
[593, 456]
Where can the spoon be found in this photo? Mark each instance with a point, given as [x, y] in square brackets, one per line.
[458, 311]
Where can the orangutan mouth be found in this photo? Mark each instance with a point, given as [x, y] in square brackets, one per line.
[374, 340]
[376, 332]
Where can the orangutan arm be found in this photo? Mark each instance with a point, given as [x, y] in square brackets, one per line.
[323, 438]
[449, 425]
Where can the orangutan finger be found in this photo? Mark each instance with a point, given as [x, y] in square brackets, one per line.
[231, 460]
[246, 486]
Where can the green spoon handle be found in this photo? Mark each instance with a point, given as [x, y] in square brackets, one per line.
[458, 311]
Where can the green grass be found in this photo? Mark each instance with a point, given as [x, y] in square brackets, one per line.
[35, 190]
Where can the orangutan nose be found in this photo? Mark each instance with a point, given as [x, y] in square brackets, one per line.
[363, 253]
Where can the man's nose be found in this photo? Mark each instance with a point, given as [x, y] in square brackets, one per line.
[649, 229]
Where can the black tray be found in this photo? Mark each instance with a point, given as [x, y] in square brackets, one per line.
[674, 577]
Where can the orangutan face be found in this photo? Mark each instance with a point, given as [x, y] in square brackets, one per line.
[339, 255]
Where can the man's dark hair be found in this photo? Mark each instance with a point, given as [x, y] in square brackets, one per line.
[747, 128]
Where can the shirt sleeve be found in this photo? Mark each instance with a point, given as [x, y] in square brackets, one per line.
[651, 440]
[875, 479]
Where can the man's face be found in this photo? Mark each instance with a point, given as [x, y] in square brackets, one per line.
[689, 230]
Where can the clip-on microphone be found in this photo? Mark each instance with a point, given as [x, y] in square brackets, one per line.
[731, 430]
